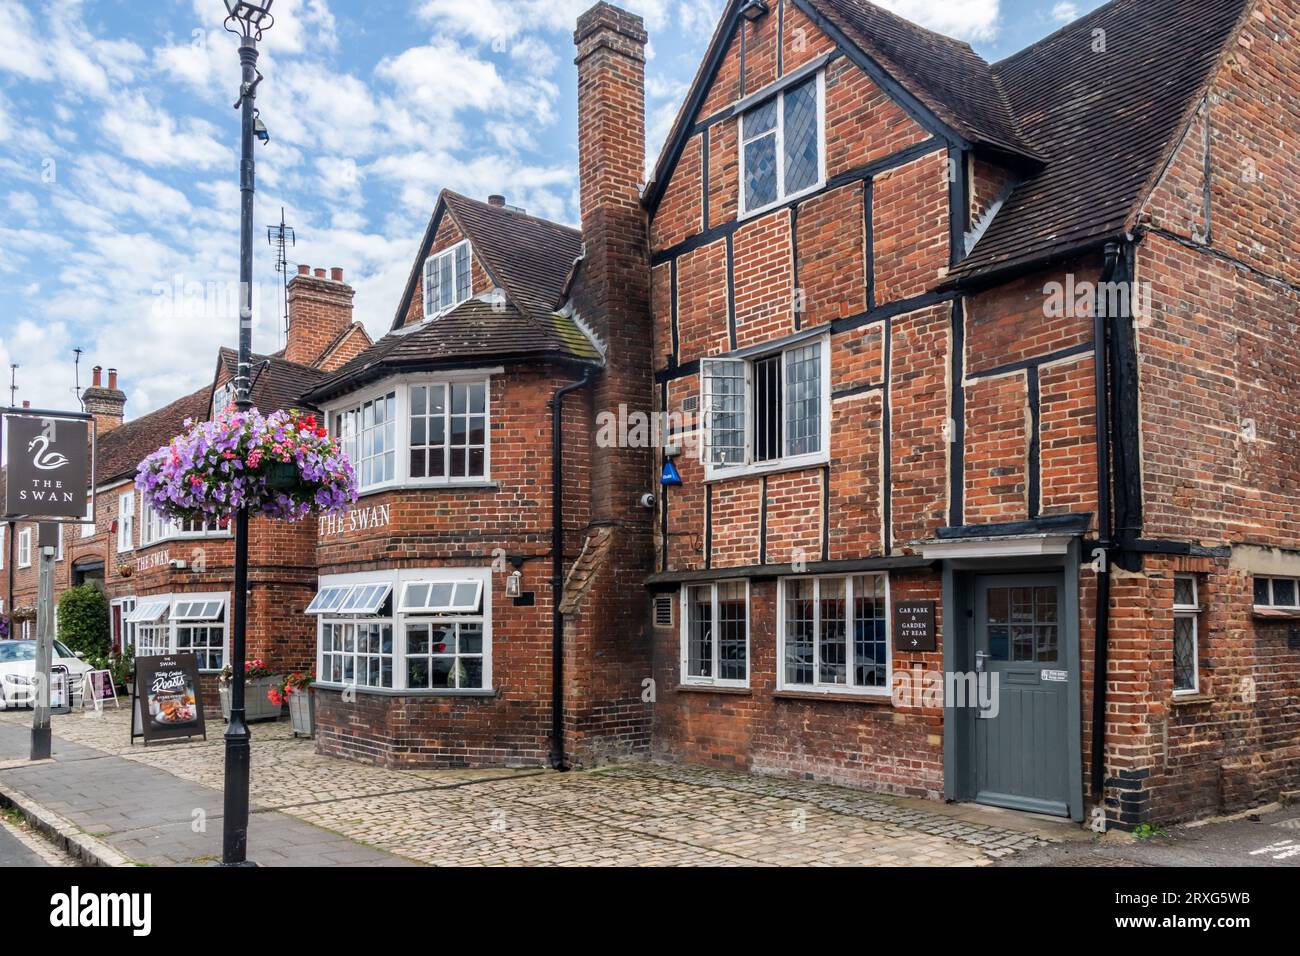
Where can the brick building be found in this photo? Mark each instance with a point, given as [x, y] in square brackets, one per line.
[979, 381]
[168, 583]
[1013, 339]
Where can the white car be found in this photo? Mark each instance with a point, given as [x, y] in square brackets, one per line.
[18, 669]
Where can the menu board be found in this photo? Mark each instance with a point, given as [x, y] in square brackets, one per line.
[168, 704]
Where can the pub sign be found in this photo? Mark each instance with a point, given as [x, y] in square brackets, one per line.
[49, 465]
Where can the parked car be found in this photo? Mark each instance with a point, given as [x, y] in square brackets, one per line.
[18, 668]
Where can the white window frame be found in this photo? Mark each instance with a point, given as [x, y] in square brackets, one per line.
[24, 556]
[155, 529]
[1272, 601]
[126, 522]
[848, 688]
[401, 387]
[1193, 612]
[4, 530]
[436, 258]
[125, 606]
[684, 632]
[399, 620]
[783, 462]
[168, 624]
[88, 529]
[781, 196]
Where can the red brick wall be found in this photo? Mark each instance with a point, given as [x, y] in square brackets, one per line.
[320, 309]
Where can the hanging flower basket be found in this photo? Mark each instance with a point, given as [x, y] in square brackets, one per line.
[282, 466]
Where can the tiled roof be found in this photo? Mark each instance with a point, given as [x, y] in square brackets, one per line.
[947, 76]
[1104, 121]
[529, 258]
[118, 452]
[279, 385]
[476, 331]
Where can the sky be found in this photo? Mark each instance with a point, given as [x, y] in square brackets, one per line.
[119, 192]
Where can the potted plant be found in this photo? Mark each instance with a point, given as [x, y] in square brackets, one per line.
[295, 690]
[282, 466]
[122, 667]
[258, 679]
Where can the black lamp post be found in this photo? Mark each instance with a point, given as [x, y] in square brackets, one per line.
[248, 19]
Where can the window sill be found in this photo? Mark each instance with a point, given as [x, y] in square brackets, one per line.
[1266, 613]
[393, 692]
[782, 202]
[870, 699]
[1189, 698]
[714, 689]
[777, 467]
[488, 485]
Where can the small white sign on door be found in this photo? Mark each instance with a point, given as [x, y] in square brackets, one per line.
[1057, 676]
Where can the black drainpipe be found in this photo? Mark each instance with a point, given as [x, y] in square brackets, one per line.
[558, 760]
[1101, 657]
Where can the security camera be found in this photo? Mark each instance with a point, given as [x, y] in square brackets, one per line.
[648, 500]
[176, 564]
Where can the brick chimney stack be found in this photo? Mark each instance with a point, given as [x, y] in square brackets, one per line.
[107, 404]
[613, 289]
[320, 309]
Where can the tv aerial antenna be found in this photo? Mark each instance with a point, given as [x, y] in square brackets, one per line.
[281, 238]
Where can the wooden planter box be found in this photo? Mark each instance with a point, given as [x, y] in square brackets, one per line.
[302, 712]
[256, 704]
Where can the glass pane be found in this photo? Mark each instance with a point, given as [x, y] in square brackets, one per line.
[870, 650]
[799, 632]
[802, 168]
[760, 172]
[803, 406]
[1284, 592]
[1185, 591]
[440, 596]
[699, 645]
[417, 674]
[761, 119]
[1184, 652]
[999, 642]
[724, 408]
[466, 596]
[767, 409]
[477, 399]
[419, 399]
[832, 652]
[1022, 643]
[417, 639]
[1047, 643]
[440, 674]
[1262, 598]
[733, 637]
[471, 639]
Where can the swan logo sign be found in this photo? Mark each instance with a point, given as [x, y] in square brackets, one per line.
[49, 462]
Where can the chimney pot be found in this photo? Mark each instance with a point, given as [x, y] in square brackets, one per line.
[496, 199]
[336, 274]
[112, 379]
[94, 376]
[304, 270]
[320, 273]
[26, 403]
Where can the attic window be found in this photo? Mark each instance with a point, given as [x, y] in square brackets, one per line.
[447, 280]
[782, 153]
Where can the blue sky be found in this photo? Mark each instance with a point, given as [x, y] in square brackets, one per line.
[118, 142]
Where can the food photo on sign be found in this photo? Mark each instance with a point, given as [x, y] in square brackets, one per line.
[169, 700]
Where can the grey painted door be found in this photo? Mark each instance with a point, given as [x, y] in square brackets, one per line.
[1021, 747]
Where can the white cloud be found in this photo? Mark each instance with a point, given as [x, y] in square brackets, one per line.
[970, 20]
[1065, 12]
[502, 20]
[148, 133]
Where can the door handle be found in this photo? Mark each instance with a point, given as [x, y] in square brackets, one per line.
[980, 658]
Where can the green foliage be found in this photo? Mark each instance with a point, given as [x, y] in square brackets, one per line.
[1145, 831]
[122, 665]
[83, 621]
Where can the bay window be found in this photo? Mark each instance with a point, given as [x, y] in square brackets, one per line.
[715, 634]
[834, 634]
[447, 280]
[417, 630]
[781, 153]
[769, 410]
[155, 528]
[178, 624]
[421, 432]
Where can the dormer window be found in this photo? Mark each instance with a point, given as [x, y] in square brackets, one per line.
[447, 280]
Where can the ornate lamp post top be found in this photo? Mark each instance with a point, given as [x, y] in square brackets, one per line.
[249, 18]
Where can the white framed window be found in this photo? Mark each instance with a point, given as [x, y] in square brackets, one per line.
[123, 631]
[769, 411]
[179, 624]
[126, 521]
[4, 546]
[419, 431]
[448, 279]
[155, 528]
[715, 634]
[58, 548]
[833, 634]
[419, 630]
[88, 529]
[783, 147]
[1187, 613]
[1277, 592]
[25, 548]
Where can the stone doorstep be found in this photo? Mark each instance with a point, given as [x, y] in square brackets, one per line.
[63, 833]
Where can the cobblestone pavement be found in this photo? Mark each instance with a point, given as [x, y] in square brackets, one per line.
[638, 814]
